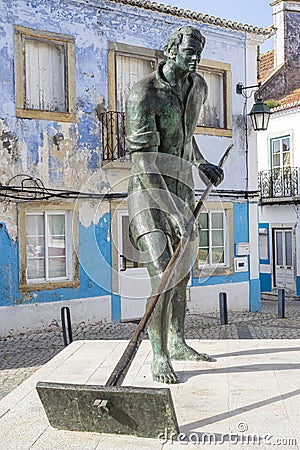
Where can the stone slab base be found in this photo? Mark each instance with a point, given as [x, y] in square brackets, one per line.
[249, 397]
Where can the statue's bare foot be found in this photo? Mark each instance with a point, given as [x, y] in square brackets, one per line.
[183, 352]
[162, 371]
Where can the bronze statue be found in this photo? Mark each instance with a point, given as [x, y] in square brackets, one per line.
[161, 116]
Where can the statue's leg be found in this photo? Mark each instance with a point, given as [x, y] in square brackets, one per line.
[178, 348]
[157, 251]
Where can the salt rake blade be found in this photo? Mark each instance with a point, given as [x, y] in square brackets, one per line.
[138, 411]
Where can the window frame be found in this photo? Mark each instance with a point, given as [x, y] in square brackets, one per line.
[115, 48]
[68, 42]
[264, 244]
[68, 253]
[226, 268]
[72, 245]
[210, 245]
[225, 68]
[276, 138]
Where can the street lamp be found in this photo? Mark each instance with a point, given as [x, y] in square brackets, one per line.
[260, 115]
[260, 112]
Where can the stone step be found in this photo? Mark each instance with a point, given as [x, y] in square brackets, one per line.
[274, 296]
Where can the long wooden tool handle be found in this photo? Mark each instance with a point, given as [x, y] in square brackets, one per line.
[119, 373]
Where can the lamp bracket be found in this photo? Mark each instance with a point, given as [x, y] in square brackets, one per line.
[240, 87]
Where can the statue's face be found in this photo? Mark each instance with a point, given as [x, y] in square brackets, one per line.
[189, 54]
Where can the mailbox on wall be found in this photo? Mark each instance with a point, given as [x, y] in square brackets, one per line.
[242, 249]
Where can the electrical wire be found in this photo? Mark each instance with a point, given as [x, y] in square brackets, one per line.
[38, 191]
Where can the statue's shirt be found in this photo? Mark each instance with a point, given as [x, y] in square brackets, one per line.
[160, 125]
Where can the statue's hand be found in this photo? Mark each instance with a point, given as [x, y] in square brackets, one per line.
[214, 173]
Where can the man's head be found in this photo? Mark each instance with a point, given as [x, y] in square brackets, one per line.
[185, 46]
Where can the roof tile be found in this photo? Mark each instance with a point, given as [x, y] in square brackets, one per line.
[266, 65]
[291, 100]
[198, 17]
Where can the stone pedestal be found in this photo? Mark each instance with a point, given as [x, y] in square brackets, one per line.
[250, 393]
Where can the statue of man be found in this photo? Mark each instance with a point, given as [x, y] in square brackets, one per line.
[162, 111]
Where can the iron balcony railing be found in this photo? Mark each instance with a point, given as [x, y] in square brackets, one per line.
[113, 136]
[282, 182]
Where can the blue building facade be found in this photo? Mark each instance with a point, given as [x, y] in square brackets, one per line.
[63, 173]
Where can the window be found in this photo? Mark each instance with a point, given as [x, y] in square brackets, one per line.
[45, 75]
[280, 152]
[212, 238]
[282, 179]
[284, 248]
[215, 116]
[127, 64]
[212, 114]
[47, 251]
[215, 248]
[264, 245]
[129, 70]
[47, 254]
[131, 257]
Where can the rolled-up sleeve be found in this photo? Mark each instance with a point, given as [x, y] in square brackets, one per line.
[141, 130]
[141, 141]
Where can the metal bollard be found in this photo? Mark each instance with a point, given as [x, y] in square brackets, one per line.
[223, 308]
[281, 303]
[66, 325]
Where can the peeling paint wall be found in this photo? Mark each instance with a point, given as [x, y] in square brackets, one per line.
[95, 267]
[27, 146]
[8, 268]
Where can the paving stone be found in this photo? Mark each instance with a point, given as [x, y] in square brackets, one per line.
[21, 355]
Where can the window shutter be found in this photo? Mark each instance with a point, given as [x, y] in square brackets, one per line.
[129, 70]
[32, 83]
[57, 59]
[212, 113]
[45, 76]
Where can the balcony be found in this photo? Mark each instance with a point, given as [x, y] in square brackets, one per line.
[279, 185]
[113, 137]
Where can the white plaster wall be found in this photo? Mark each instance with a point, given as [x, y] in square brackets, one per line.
[263, 148]
[206, 298]
[46, 316]
[282, 214]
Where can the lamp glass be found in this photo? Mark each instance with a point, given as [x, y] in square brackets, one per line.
[260, 115]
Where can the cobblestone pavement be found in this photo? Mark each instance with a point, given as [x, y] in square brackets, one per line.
[21, 355]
